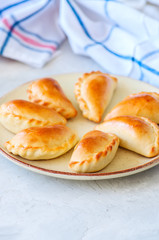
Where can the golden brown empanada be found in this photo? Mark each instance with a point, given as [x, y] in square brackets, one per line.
[47, 92]
[94, 152]
[143, 104]
[137, 134]
[42, 142]
[20, 114]
[93, 92]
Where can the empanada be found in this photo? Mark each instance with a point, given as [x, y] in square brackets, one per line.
[20, 114]
[42, 142]
[93, 92]
[137, 134]
[143, 104]
[94, 152]
[47, 92]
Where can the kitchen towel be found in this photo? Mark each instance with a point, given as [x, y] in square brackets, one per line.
[122, 39]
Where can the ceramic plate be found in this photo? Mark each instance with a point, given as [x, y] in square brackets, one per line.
[125, 163]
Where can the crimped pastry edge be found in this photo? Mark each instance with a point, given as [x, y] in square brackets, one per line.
[45, 103]
[155, 127]
[96, 156]
[81, 101]
[41, 153]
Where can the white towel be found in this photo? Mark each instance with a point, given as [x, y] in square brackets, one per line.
[122, 39]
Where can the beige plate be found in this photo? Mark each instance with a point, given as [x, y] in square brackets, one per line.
[125, 163]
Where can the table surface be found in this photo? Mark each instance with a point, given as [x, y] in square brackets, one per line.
[37, 207]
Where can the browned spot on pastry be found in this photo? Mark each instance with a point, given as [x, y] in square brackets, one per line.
[98, 155]
[46, 104]
[109, 148]
[73, 163]
[153, 150]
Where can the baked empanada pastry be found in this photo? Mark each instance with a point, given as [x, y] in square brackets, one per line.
[47, 92]
[143, 104]
[93, 92]
[42, 142]
[137, 134]
[94, 152]
[20, 114]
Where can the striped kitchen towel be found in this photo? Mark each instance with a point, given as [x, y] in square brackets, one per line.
[29, 30]
[123, 40]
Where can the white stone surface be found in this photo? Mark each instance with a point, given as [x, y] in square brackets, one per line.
[38, 207]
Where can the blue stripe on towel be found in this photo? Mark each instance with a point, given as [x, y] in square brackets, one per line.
[104, 41]
[26, 46]
[12, 5]
[17, 22]
[106, 9]
[124, 57]
[149, 54]
[35, 34]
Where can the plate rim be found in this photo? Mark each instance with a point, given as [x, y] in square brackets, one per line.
[133, 170]
[74, 175]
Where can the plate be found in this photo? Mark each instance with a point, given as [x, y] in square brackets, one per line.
[125, 162]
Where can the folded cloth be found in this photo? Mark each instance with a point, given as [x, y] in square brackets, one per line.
[123, 40]
[29, 30]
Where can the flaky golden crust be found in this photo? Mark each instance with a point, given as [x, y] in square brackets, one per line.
[20, 114]
[94, 152]
[138, 134]
[93, 92]
[42, 142]
[48, 92]
[143, 104]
